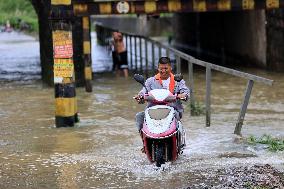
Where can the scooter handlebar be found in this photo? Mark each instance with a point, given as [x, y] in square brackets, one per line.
[141, 99]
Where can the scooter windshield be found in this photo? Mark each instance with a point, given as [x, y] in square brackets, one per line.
[160, 113]
[160, 94]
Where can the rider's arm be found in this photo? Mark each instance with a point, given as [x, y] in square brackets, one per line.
[142, 92]
[140, 96]
[148, 86]
[183, 89]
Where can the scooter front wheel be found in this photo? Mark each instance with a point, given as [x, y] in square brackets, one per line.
[159, 154]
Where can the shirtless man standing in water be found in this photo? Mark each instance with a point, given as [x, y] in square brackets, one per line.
[120, 60]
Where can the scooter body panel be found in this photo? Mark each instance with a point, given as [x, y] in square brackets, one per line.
[159, 122]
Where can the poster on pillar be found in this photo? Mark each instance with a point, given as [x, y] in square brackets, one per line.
[62, 44]
[63, 68]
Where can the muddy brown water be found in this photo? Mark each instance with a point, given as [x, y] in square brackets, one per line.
[103, 149]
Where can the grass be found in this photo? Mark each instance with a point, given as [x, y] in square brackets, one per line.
[13, 10]
[274, 144]
[167, 34]
[250, 185]
[197, 109]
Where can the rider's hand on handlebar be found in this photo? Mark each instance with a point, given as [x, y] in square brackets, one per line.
[139, 99]
[182, 96]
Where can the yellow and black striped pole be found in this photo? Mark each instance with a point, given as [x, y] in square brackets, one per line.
[63, 68]
[87, 53]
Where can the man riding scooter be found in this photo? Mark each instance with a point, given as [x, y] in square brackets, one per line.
[163, 80]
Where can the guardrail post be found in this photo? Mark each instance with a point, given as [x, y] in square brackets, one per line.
[131, 63]
[178, 70]
[160, 51]
[103, 36]
[135, 52]
[153, 56]
[140, 55]
[126, 48]
[243, 110]
[191, 87]
[126, 42]
[146, 57]
[168, 53]
[208, 95]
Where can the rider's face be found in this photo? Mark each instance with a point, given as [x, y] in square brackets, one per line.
[164, 70]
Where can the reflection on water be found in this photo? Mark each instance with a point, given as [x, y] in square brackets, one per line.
[19, 57]
[103, 150]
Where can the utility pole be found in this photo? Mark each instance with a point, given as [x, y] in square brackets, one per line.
[63, 68]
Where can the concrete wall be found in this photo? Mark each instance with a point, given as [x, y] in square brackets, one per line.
[140, 25]
[241, 36]
[245, 35]
[275, 39]
[185, 32]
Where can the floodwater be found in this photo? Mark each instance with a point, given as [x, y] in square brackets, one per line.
[103, 149]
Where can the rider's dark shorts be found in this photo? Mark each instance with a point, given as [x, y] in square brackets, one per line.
[122, 60]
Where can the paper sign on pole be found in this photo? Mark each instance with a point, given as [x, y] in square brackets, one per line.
[62, 44]
[63, 68]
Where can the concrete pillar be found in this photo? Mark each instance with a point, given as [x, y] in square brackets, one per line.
[78, 57]
[87, 53]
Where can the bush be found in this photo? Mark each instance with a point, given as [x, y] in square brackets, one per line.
[197, 109]
[16, 11]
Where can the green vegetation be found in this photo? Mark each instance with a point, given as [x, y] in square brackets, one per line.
[166, 14]
[250, 185]
[274, 144]
[18, 9]
[167, 34]
[197, 109]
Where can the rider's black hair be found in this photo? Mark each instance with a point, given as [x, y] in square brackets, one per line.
[164, 60]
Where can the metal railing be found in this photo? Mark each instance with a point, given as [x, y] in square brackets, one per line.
[190, 61]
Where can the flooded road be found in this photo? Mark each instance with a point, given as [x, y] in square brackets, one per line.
[103, 149]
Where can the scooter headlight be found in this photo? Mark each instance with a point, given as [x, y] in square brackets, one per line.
[159, 113]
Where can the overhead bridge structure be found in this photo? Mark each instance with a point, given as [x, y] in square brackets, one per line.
[62, 14]
[89, 7]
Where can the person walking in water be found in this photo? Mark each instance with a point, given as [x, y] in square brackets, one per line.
[120, 54]
[8, 27]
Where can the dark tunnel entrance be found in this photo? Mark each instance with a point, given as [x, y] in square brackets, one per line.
[225, 38]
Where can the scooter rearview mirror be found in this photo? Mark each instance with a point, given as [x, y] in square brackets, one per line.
[178, 77]
[139, 78]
